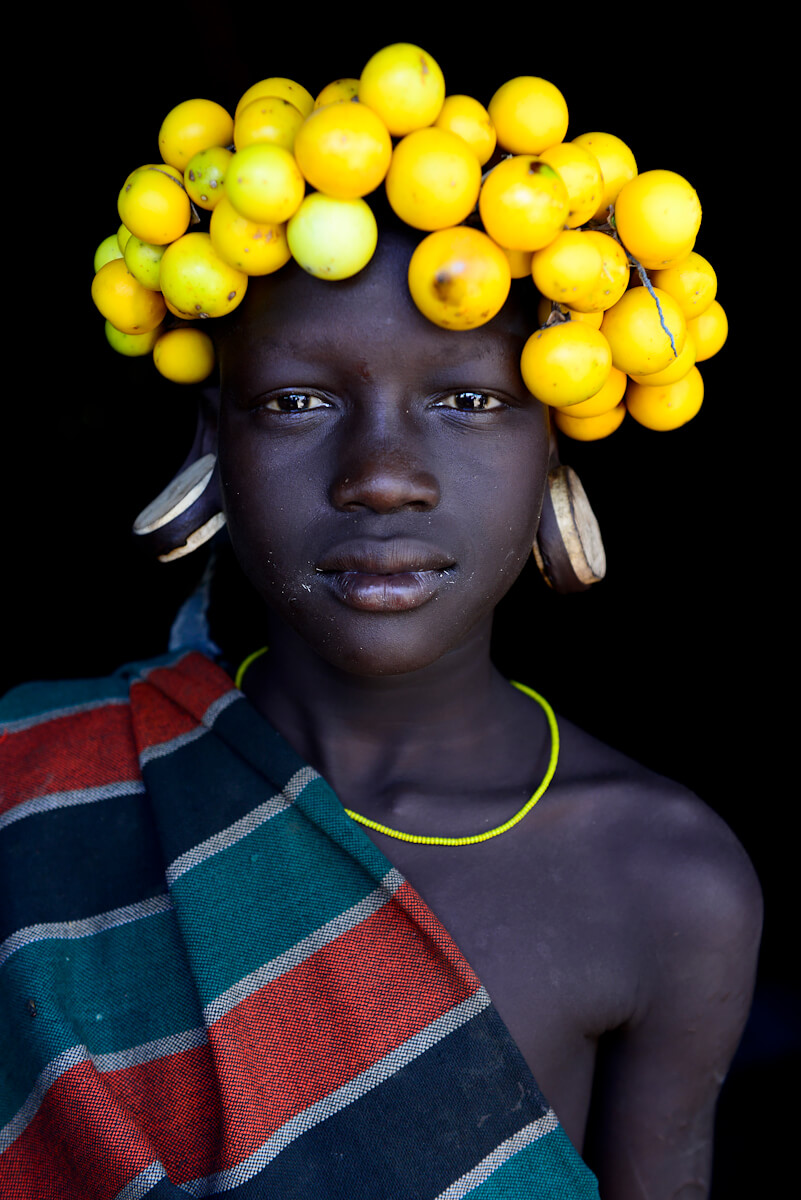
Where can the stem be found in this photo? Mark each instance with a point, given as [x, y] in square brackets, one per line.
[644, 280]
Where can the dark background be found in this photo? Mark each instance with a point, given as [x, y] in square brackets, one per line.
[678, 658]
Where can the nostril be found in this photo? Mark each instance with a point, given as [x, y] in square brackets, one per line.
[388, 485]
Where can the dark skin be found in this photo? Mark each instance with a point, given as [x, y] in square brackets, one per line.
[382, 482]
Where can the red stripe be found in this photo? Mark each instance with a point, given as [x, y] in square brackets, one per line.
[156, 718]
[173, 700]
[175, 1102]
[80, 1143]
[81, 750]
[285, 1047]
[193, 683]
[315, 1028]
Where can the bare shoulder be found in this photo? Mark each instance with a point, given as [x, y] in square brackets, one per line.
[682, 875]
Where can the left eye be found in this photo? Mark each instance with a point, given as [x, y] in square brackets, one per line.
[470, 401]
[294, 402]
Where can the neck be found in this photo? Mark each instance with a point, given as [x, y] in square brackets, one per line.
[455, 718]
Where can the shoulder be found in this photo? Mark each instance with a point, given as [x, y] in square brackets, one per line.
[670, 863]
[60, 738]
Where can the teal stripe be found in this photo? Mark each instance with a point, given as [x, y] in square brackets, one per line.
[288, 867]
[122, 987]
[552, 1161]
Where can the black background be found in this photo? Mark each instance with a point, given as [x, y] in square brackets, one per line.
[679, 657]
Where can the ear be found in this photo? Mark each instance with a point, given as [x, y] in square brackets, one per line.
[569, 550]
[188, 512]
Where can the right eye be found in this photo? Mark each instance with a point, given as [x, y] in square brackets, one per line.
[295, 402]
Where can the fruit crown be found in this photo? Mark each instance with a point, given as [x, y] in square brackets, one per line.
[627, 306]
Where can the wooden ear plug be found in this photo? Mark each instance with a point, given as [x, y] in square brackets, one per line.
[569, 550]
[186, 515]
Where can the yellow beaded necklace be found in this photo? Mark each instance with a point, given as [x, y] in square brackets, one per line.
[476, 837]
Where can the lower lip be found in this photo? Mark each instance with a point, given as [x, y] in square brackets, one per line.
[385, 593]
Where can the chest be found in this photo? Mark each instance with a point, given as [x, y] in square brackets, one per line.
[533, 919]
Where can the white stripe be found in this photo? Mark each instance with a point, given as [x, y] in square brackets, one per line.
[175, 1043]
[144, 1181]
[55, 714]
[45, 1080]
[390, 1064]
[501, 1154]
[90, 795]
[183, 739]
[241, 828]
[88, 927]
[303, 949]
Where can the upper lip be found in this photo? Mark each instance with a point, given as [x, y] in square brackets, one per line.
[393, 556]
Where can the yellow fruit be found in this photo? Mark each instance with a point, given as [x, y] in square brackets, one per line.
[608, 397]
[589, 429]
[264, 184]
[523, 203]
[666, 407]
[581, 174]
[204, 176]
[196, 280]
[256, 249]
[144, 262]
[433, 180]
[278, 85]
[459, 278]
[132, 345]
[616, 161]
[657, 216]
[191, 126]
[676, 369]
[184, 355]
[709, 331]
[405, 86]
[566, 363]
[153, 205]
[332, 238]
[692, 283]
[108, 249]
[122, 238]
[343, 149]
[470, 120]
[529, 115]
[340, 89]
[545, 307]
[124, 302]
[584, 269]
[634, 331]
[179, 312]
[519, 262]
[267, 119]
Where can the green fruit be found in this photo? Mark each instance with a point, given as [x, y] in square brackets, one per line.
[144, 262]
[107, 250]
[331, 238]
[132, 345]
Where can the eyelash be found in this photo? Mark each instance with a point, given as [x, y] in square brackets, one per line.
[491, 402]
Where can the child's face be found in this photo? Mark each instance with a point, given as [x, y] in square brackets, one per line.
[373, 507]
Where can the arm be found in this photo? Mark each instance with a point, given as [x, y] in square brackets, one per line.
[699, 921]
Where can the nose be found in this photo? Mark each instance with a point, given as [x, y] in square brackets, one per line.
[382, 473]
[385, 481]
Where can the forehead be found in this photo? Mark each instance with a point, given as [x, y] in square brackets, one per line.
[370, 317]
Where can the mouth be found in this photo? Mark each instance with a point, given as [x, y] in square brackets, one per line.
[385, 576]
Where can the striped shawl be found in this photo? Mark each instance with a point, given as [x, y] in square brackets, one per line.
[212, 983]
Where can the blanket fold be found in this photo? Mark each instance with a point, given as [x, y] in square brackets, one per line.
[213, 983]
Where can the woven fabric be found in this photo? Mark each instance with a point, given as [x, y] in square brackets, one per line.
[212, 983]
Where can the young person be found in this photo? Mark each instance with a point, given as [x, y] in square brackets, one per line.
[382, 481]
[232, 906]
